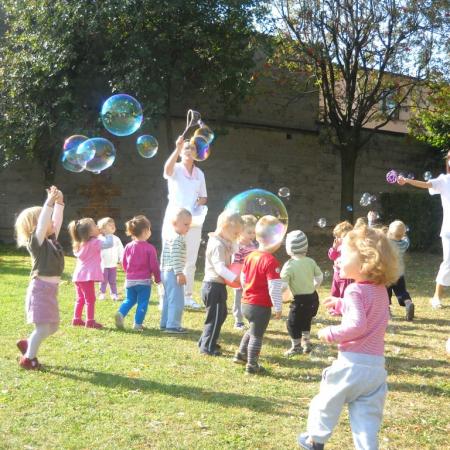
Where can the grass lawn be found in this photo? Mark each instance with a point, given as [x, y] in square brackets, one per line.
[122, 389]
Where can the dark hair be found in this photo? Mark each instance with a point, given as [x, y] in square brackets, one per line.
[136, 226]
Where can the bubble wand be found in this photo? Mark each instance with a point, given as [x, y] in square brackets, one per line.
[192, 118]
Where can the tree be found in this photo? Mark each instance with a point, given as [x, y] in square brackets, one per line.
[61, 59]
[365, 57]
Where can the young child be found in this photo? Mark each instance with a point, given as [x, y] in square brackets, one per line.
[87, 246]
[339, 284]
[173, 260]
[397, 234]
[358, 376]
[303, 276]
[246, 244]
[214, 292]
[262, 290]
[110, 257]
[37, 229]
[140, 264]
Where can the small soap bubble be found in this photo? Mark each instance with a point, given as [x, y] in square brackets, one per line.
[427, 176]
[322, 222]
[121, 115]
[391, 177]
[284, 192]
[147, 146]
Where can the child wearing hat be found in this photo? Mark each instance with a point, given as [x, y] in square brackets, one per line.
[302, 275]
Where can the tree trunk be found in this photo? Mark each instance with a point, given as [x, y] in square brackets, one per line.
[348, 164]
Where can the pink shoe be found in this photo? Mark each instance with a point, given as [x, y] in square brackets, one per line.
[29, 364]
[78, 322]
[93, 324]
[22, 345]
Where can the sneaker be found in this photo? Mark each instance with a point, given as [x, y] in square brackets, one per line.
[239, 326]
[115, 298]
[251, 369]
[307, 348]
[189, 302]
[78, 322]
[29, 364]
[101, 296]
[435, 303]
[213, 353]
[137, 327]
[295, 350]
[303, 441]
[409, 312]
[119, 320]
[179, 330]
[239, 358]
[93, 324]
[22, 345]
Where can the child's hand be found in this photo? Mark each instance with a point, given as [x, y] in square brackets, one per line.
[277, 315]
[60, 197]
[401, 180]
[52, 194]
[181, 279]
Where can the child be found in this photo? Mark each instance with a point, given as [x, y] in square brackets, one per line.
[246, 244]
[397, 234]
[37, 229]
[173, 260]
[303, 276]
[358, 376]
[87, 247]
[110, 257]
[140, 264]
[262, 289]
[214, 293]
[339, 284]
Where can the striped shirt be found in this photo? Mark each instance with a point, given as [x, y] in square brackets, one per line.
[243, 251]
[365, 315]
[402, 245]
[174, 254]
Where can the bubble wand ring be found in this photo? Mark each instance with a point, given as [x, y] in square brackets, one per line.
[193, 118]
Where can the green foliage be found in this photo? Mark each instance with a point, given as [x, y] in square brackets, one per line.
[61, 59]
[420, 212]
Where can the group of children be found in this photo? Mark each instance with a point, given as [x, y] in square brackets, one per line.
[366, 271]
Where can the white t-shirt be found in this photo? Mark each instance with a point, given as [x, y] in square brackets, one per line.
[112, 255]
[184, 190]
[441, 185]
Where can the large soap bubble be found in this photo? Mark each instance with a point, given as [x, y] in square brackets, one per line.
[105, 154]
[260, 203]
[201, 149]
[205, 132]
[147, 146]
[68, 163]
[74, 154]
[121, 115]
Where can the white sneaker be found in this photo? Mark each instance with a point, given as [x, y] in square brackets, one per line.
[101, 296]
[114, 297]
[435, 303]
[189, 302]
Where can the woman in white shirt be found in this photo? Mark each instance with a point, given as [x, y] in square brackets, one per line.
[439, 185]
[187, 189]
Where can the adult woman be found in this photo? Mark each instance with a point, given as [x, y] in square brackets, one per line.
[187, 189]
[439, 185]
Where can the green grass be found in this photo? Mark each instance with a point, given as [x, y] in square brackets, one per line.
[111, 389]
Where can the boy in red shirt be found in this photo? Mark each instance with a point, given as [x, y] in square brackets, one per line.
[262, 288]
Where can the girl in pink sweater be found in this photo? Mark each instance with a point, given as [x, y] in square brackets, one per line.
[87, 245]
[358, 376]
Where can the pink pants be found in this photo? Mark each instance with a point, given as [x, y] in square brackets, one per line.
[85, 296]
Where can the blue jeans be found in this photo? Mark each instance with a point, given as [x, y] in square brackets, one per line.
[173, 302]
[139, 294]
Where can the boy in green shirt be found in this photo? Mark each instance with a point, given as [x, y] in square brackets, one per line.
[302, 275]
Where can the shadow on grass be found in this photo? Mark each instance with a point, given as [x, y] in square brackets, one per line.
[425, 367]
[434, 391]
[111, 380]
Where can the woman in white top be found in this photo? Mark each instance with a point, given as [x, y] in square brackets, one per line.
[439, 185]
[187, 189]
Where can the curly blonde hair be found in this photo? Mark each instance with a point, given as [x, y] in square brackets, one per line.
[379, 258]
[26, 224]
[342, 228]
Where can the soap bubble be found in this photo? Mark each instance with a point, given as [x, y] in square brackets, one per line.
[121, 115]
[71, 166]
[147, 146]
[284, 192]
[105, 154]
[206, 133]
[326, 274]
[201, 149]
[349, 208]
[71, 145]
[322, 222]
[410, 175]
[391, 177]
[365, 199]
[427, 176]
[260, 203]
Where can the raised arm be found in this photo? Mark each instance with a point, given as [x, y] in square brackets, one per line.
[46, 215]
[58, 212]
[416, 183]
[171, 161]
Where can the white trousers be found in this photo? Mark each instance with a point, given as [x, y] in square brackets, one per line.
[443, 276]
[193, 239]
[360, 381]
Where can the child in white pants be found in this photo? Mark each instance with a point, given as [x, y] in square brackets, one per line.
[358, 376]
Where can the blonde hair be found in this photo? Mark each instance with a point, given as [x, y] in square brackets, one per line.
[80, 232]
[360, 222]
[137, 225]
[26, 224]
[102, 223]
[379, 258]
[180, 212]
[249, 220]
[226, 218]
[342, 228]
[396, 230]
